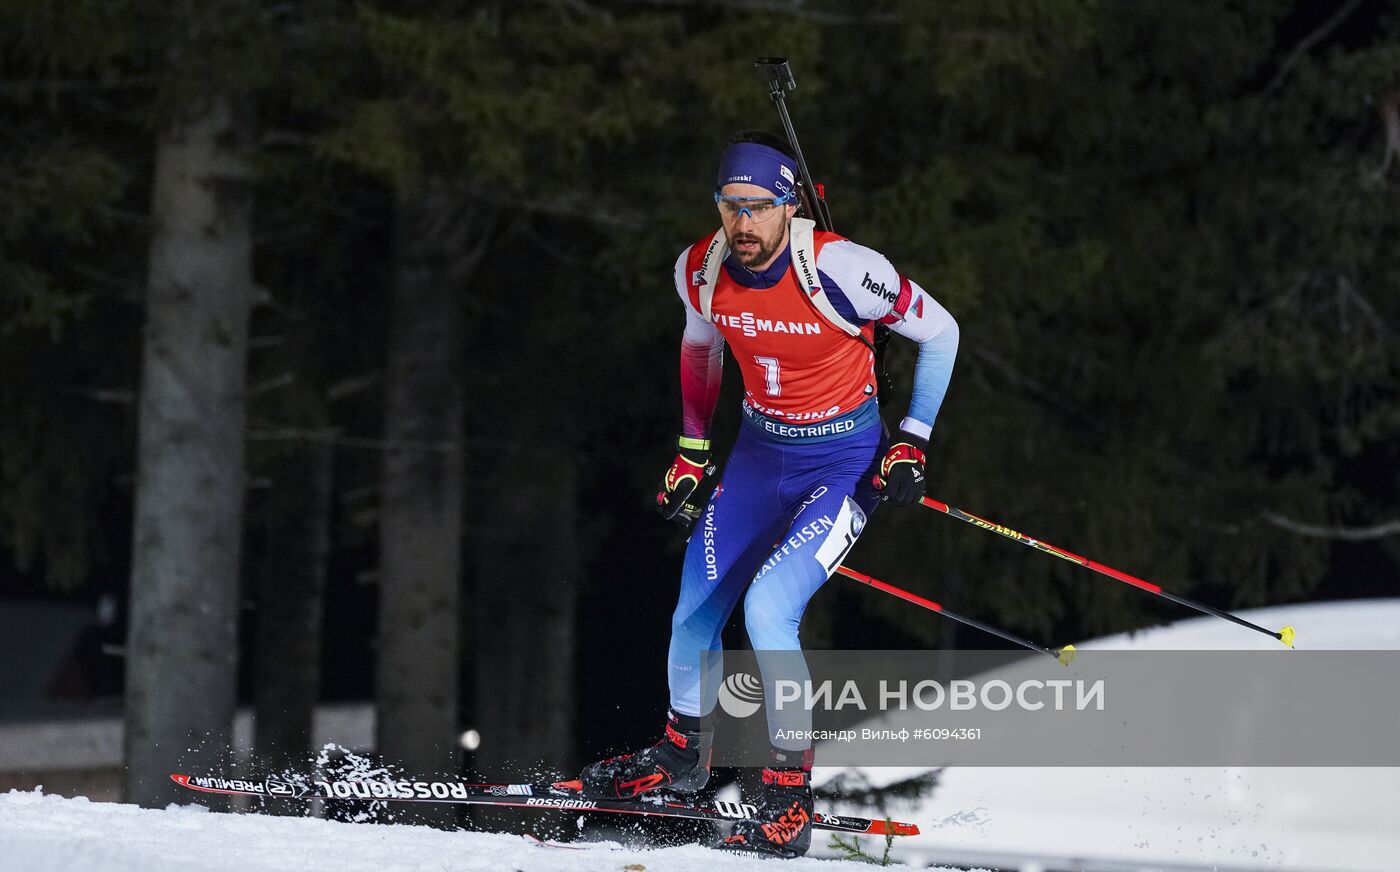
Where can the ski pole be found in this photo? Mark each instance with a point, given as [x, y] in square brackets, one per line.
[1285, 635]
[1065, 655]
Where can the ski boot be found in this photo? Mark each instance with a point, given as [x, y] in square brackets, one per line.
[679, 762]
[782, 826]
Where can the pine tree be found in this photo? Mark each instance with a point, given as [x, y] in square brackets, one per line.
[182, 643]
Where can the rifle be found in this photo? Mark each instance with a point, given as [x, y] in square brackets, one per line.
[777, 75]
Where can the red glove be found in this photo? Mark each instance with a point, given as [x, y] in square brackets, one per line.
[900, 479]
[691, 465]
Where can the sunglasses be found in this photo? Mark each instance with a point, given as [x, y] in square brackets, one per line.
[759, 209]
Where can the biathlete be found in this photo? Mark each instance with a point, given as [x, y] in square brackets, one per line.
[797, 308]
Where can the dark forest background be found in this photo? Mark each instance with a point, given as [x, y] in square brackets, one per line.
[338, 344]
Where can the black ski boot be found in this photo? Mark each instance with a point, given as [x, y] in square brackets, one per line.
[782, 827]
[679, 762]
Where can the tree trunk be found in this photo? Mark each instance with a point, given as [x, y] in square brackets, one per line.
[437, 244]
[527, 579]
[182, 643]
[290, 607]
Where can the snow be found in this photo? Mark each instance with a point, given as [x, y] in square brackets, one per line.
[1028, 818]
[45, 833]
[1251, 818]
[1349, 625]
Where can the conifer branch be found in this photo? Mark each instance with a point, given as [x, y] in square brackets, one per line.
[792, 8]
[1390, 116]
[1008, 371]
[1307, 43]
[23, 87]
[116, 396]
[854, 850]
[1349, 534]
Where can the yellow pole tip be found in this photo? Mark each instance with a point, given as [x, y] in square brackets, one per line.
[1066, 655]
[1287, 635]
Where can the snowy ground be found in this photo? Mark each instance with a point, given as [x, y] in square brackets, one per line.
[41, 833]
[1089, 818]
[1340, 819]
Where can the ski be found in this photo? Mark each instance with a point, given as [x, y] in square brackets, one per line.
[561, 796]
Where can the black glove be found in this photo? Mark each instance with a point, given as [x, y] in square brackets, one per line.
[900, 479]
[691, 465]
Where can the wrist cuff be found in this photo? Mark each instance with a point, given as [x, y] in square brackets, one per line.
[915, 427]
[692, 444]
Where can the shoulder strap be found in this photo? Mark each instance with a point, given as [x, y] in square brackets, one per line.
[804, 263]
[715, 253]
